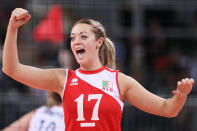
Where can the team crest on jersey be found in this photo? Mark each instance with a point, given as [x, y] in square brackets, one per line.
[74, 81]
[107, 85]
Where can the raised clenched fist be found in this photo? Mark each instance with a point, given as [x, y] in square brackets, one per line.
[19, 17]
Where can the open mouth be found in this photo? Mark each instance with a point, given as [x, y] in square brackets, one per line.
[81, 51]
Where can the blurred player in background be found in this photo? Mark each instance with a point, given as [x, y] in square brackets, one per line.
[49, 117]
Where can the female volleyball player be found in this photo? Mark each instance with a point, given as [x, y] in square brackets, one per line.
[49, 117]
[93, 95]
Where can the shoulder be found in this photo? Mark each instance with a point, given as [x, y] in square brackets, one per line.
[41, 108]
[125, 82]
[125, 79]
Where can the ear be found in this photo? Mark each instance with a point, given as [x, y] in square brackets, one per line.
[99, 42]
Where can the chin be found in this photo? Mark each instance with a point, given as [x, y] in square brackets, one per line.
[82, 62]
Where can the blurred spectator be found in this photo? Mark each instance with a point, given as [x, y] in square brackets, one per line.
[65, 58]
[137, 57]
[120, 55]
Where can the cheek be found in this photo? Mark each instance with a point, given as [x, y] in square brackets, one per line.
[92, 44]
[91, 47]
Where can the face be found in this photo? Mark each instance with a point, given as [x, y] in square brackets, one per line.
[84, 44]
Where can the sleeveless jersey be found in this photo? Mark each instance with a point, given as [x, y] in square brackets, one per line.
[48, 119]
[91, 100]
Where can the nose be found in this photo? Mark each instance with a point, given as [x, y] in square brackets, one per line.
[76, 40]
[76, 43]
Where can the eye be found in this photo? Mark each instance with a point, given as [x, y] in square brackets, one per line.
[84, 37]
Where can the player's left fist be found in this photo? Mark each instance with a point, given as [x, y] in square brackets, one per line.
[184, 87]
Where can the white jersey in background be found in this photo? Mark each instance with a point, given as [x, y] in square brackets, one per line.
[48, 119]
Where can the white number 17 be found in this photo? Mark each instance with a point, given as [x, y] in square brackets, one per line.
[80, 100]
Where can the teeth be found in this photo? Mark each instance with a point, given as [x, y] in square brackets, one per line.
[78, 50]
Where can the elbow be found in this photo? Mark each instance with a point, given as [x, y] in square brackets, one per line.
[4, 70]
[10, 68]
[172, 115]
[7, 71]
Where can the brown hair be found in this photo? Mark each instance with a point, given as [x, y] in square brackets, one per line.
[53, 99]
[107, 50]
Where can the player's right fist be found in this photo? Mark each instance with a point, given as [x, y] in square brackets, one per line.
[19, 17]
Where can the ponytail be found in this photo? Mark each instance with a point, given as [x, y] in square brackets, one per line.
[107, 54]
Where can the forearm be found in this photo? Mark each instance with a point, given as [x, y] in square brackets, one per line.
[16, 126]
[172, 106]
[10, 55]
[21, 124]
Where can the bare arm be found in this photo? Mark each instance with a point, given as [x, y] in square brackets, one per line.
[137, 95]
[21, 124]
[48, 79]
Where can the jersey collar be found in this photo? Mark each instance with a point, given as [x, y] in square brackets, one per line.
[92, 71]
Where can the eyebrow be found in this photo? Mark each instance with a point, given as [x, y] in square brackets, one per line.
[80, 32]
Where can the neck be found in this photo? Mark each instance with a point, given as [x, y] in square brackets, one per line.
[91, 67]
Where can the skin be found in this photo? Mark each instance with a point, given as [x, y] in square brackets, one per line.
[83, 38]
[21, 124]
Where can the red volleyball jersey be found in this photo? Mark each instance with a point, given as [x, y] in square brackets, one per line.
[91, 100]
